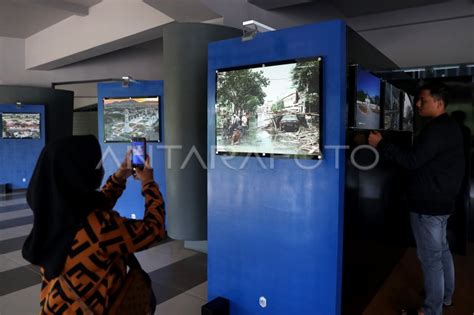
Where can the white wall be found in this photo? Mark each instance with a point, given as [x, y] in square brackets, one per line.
[110, 25]
[142, 62]
[12, 63]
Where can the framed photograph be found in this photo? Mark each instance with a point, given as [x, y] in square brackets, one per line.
[21, 125]
[132, 117]
[270, 109]
[391, 107]
[367, 107]
[408, 112]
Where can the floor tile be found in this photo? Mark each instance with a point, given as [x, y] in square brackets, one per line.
[15, 257]
[12, 202]
[163, 255]
[12, 244]
[16, 222]
[199, 291]
[15, 214]
[183, 304]
[12, 197]
[15, 232]
[183, 275]
[22, 302]
[17, 279]
[7, 264]
[17, 192]
[4, 209]
[164, 292]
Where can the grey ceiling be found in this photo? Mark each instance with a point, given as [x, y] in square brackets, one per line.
[23, 18]
[276, 4]
[350, 8]
[184, 10]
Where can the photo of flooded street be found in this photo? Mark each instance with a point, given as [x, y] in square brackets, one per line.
[289, 143]
[270, 110]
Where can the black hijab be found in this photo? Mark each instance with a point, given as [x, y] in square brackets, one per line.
[61, 193]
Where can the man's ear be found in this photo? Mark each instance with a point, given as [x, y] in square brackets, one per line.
[439, 103]
[442, 104]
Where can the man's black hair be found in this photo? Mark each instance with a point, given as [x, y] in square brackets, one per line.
[438, 90]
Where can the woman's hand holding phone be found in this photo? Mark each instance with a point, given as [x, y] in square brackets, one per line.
[125, 169]
[145, 175]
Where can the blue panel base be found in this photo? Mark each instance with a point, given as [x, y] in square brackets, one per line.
[131, 204]
[275, 226]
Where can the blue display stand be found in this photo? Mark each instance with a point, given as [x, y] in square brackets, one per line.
[131, 204]
[276, 231]
[18, 156]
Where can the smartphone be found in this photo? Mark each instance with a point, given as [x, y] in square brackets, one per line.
[138, 152]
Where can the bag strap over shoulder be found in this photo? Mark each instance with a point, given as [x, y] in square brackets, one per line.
[133, 262]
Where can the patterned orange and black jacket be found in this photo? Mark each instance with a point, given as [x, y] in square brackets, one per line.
[96, 266]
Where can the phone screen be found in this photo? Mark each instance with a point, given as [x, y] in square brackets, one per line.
[138, 153]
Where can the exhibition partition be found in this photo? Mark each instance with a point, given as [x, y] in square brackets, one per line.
[19, 151]
[58, 106]
[275, 223]
[116, 126]
[21, 141]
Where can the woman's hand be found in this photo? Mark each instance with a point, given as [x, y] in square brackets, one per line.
[145, 175]
[125, 169]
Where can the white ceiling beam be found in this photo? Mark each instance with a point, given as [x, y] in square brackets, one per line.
[110, 25]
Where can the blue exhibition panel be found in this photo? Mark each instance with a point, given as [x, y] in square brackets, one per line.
[18, 156]
[275, 228]
[131, 202]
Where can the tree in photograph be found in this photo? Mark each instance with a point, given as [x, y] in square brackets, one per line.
[305, 76]
[361, 96]
[278, 106]
[241, 90]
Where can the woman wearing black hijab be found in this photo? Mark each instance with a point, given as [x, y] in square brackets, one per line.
[79, 242]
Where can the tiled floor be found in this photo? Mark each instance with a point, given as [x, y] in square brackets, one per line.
[179, 275]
